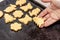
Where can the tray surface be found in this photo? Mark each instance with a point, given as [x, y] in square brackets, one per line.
[30, 31]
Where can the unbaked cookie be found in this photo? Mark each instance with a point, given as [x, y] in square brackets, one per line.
[38, 21]
[16, 26]
[8, 18]
[20, 2]
[34, 12]
[1, 13]
[26, 7]
[10, 8]
[18, 13]
[26, 19]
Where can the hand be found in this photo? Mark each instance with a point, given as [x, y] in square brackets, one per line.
[46, 0]
[50, 16]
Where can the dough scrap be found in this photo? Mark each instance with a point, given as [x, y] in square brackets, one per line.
[26, 19]
[17, 13]
[8, 18]
[26, 7]
[10, 8]
[1, 13]
[20, 2]
[38, 21]
[34, 12]
[16, 26]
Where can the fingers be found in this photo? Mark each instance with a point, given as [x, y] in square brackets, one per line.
[46, 17]
[45, 12]
[46, 0]
[49, 21]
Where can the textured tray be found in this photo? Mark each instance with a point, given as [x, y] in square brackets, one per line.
[30, 31]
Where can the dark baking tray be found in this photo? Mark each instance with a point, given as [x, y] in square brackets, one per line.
[38, 4]
[30, 31]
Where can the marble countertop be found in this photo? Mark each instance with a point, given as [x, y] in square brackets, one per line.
[45, 4]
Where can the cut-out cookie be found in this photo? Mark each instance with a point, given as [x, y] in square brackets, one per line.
[38, 21]
[26, 7]
[1, 13]
[26, 19]
[10, 8]
[8, 18]
[16, 26]
[34, 12]
[17, 13]
[20, 2]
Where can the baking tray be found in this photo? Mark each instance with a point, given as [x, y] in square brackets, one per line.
[30, 31]
[38, 4]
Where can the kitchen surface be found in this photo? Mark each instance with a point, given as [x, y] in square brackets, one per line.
[45, 4]
[39, 1]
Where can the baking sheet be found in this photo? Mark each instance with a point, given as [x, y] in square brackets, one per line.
[30, 31]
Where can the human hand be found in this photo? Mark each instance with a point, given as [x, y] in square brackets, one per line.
[50, 16]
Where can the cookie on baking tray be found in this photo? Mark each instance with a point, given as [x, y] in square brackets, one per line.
[15, 26]
[26, 19]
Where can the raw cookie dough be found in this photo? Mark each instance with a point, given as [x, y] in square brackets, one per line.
[34, 12]
[26, 19]
[15, 26]
[1, 13]
[26, 7]
[38, 21]
[10, 8]
[20, 2]
[8, 18]
[18, 13]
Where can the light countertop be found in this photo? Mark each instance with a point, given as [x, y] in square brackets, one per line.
[45, 4]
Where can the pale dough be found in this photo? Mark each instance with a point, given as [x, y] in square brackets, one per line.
[38, 21]
[20, 2]
[16, 26]
[26, 7]
[10, 8]
[1, 13]
[26, 19]
[34, 12]
[18, 13]
[8, 18]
